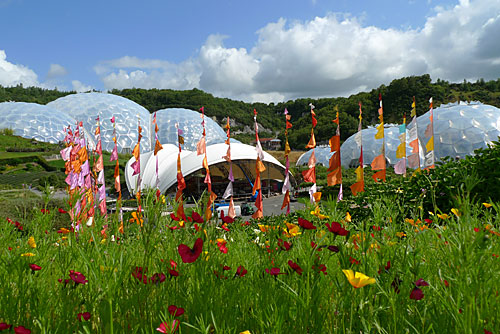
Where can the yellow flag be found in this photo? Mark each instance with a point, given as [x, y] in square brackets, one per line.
[401, 151]
[380, 131]
[430, 144]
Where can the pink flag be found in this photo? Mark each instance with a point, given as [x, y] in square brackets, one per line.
[231, 176]
[102, 207]
[229, 191]
[86, 168]
[230, 212]
[114, 154]
[102, 193]
[413, 160]
[88, 181]
[113, 119]
[65, 153]
[400, 167]
[136, 166]
[100, 177]
[341, 194]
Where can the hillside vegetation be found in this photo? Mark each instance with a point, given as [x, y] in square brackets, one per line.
[397, 98]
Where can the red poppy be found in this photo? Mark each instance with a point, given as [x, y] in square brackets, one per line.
[44, 211]
[197, 228]
[421, 282]
[376, 228]
[222, 246]
[189, 255]
[196, 217]
[247, 223]
[21, 330]
[84, 315]
[173, 264]
[167, 329]
[274, 271]
[337, 229]
[173, 273]
[284, 245]
[241, 271]
[476, 229]
[158, 278]
[295, 267]
[77, 277]
[140, 274]
[175, 311]
[416, 294]
[35, 267]
[446, 284]
[306, 224]
[314, 245]
[62, 211]
[353, 260]
[4, 326]
[174, 217]
[487, 331]
[224, 227]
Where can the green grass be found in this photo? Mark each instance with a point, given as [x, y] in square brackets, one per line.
[215, 301]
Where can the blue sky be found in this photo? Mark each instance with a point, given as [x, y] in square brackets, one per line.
[268, 50]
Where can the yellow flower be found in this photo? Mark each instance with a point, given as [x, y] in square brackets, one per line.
[293, 230]
[316, 213]
[357, 280]
[443, 216]
[456, 212]
[28, 254]
[220, 240]
[31, 242]
[163, 199]
[400, 234]
[487, 205]
[181, 223]
[246, 332]
[263, 228]
[347, 217]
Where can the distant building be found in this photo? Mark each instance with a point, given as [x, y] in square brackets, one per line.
[270, 143]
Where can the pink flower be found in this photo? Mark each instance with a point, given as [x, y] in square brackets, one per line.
[165, 328]
[4, 326]
[241, 271]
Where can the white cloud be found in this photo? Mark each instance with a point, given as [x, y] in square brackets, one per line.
[80, 87]
[328, 56]
[12, 74]
[56, 71]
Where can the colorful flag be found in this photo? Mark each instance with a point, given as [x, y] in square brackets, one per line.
[414, 158]
[335, 167]
[400, 167]
[286, 183]
[359, 186]
[429, 133]
[259, 168]
[202, 149]
[379, 163]
[310, 174]
[229, 190]
[99, 169]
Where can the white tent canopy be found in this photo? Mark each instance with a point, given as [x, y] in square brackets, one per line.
[242, 155]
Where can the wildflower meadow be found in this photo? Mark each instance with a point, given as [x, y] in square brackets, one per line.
[320, 270]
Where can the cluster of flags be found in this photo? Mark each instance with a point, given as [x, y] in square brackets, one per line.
[84, 185]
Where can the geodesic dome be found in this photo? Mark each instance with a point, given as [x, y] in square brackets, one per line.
[86, 107]
[461, 128]
[190, 123]
[32, 120]
[322, 154]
